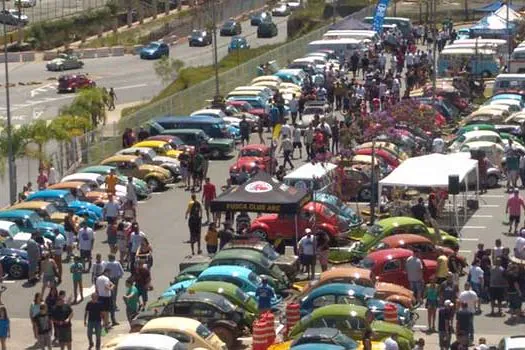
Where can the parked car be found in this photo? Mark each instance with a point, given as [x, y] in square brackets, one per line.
[13, 18]
[338, 207]
[71, 83]
[216, 148]
[200, 38]
[216, 312]
[231, 27]
[397, 225]
[281, 10]
[29, 221]
[238, 43]
[95, 182]
[192, 334]
[346, 293]
[156, 177]
[514, 342]
[11, 236]
[259, 17]
[353, 321]
[316, 216]
[363, 277]
[267, 29]
[149, 342]
[319, 338]
[155, 49]
[64, 201]
[141, 187]
[175, 143]
[388, 265]
[15, 263]
[149, 156]
[82, 192]
[46, 210]
[64, 62]
[388, 157]
[245, 106]
[162, 148]
[251, 157]
[357, 184]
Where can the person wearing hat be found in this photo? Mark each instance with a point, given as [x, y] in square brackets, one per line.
[226, 234]
[264, 294]
[514, 205]
[104, 287]
[445, 318]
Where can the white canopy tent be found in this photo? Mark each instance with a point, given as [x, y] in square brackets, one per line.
[502, 13]
[433, 171]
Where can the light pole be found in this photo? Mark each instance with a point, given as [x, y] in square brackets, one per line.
[334, 5]
[434, 47]
[509, 46]
[10, 158]
[215, 54]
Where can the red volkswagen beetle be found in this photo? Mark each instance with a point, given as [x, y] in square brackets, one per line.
[423, 247]
[388, 157]
[245, 106]
[389, 266]
[252, 156]
[313, 215]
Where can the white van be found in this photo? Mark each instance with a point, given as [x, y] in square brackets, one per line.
[506, 82]
[312, 177]
[342, 47]
[352, 34]
[517, 60]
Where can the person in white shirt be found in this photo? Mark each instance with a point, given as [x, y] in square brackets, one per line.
[476, 278]
[360, 92]
[52, 175]
[296, 138]
[307, 252]
[286, 131]
[391, 343]
[136, 239]
[438, 145]
[469, 297]
[86, 241]
[103, 288]
[409, 60]
[519, 247]
[111, 210]
[382, 62]
[131, 193]
[287, 148]
[294, 108]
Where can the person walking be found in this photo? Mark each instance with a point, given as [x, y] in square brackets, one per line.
[131, 299]
[62, 314]
[448, 290]
[245, 129]
[111, 210]
[464, 325]
[226, 234]
[52, 174]
[513, 209]
[58, 250]
[476, 280]
[212, 239]
[209, 193]
[86, 242]
[5, 329]
[98, 268]
[93, 321]
[293, 104]
[287, 149]
[111, 182]
[33, 257]
[116, 272]
[414, 271]
[104, 288]
[76, 269]
[49, 272]
[323, 248]
[296, 138]
[308, 142]
[445, 318]
[264, 294]
[70, 227]
[33, 311]
[307, 252]
[135, 239]
[431, 303]
[143, 282]
[44, 327]
[470, 298]
[42, 180]
[194, 217]
[497, 286]
[112, 99]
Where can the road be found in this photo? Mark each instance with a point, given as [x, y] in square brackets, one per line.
[136, 81]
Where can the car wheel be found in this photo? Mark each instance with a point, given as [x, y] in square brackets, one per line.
[486, 74]
[153, 183]
[61, 68]
[225, 335]
[215, 153]
[261, 234]
[190, 44]
[365, 194]
[492, 181]
[16, 271]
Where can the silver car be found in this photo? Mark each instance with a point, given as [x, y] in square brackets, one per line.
[64, 62]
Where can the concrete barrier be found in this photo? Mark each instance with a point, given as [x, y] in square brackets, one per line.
[89, 53]
[117, 51]
[137, 48]
[28, 56]
[50, 55]
[13, 57]
[103, 52]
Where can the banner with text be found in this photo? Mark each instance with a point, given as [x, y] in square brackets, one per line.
[379, 16]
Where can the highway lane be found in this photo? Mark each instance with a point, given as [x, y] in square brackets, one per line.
[133, 79]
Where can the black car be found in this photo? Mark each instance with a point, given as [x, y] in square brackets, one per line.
[231, 28]
[267, 30]
[15, 262]
[216, 148]
[259, 17]
[214, 311]
[200, 38]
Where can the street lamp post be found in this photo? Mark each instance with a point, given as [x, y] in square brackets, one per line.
[10, 157]
[215, 54]
[509, 46]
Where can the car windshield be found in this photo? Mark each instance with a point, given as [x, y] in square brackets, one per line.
[255, 279]
[225, 305]
[251, 153]
[241, 295]
[197, 33]
[203, 332]
[139, 162]
[347, 342]
[35, 219]
[375, 230]
[313, 110]
[229, 24]
[51, 209]
[13, 230]
[68, 198]
[327, 211]
[380, 246]
[366, 263]
[270, 253]
[246, 107]
[152, 46]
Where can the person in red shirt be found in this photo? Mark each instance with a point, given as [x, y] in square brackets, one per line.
[208, 194]
[41, 180]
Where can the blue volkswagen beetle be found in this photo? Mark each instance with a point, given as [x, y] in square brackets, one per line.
[155, 49]
[238, 43]
[339, 207]
[14, 262]
[177, 288]
[29, 221]
[346, 293]
[65, 201]
[325, 338]
[240, 276]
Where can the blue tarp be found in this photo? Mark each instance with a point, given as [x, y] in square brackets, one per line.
[494, 7]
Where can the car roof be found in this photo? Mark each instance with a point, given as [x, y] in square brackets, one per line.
[147, 341]
[234, 270]
[86, 176]
[192, 119]
[245, 254]
[121, 158]
[398, 220]
[389, 254]
[255, 147]
[47, 193]
[6, 224]
[199, 296]
[404, 238]
[515, 341]
[16, 213]
[346, 310]
[477, 133]
[182, 131]
[67, 184]
[218, 287]
[182, 323]
[356, 272]
[342, 288]
[29, 205]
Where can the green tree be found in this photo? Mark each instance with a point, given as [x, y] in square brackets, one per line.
[89, 103]
[72, 124]
[42, 132]
[167, 69]
[20, 138]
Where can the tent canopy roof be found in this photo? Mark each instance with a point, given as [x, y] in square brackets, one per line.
[431, 170]
[262, 194]
[494, 7]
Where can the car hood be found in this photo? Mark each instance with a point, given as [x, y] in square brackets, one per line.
[214, 141]
[155, 168]
[150, 51]
[392, 328]
[247, 162]
[86, 205]
[164, 159]
[57, 61]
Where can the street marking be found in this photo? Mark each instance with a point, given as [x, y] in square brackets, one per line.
[465, 251]
[493, 196]
[9, 281]
[42, 89]
[489, 206]
[420, 326]
[469, 239]
[141, 202]
[482, 216]
[475, 227]
[130, 86]
[421, 309]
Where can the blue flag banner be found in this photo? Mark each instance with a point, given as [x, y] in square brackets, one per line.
[379, 16]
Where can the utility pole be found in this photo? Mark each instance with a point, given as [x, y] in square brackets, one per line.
[10, 156]
[215, 54]
[434, 48]
[334, 14]
[509, 41]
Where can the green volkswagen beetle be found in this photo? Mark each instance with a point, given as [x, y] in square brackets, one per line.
[141, 187]
[396, 225]
[231, 292]
[354, 320]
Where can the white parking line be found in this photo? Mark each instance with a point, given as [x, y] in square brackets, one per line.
[420, 326]
[482, 216]
[489, 206]
[475, 227]
[469, 239]
[141, 202]
[465, 251]
[493, 196]
[9, 281]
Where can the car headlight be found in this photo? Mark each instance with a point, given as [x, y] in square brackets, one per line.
[200, 39]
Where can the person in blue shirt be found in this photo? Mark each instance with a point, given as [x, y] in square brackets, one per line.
[264, 294]
[5, 331]
[274, 115]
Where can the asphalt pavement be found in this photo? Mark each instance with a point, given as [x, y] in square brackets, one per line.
[134, 80]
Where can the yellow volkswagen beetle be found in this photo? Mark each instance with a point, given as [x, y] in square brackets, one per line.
[191, 333]
[162, 148]
[47, 211]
